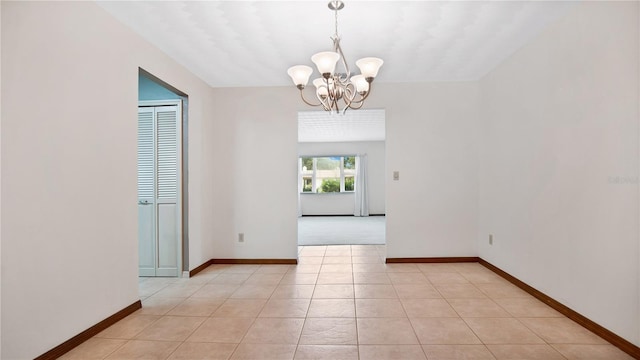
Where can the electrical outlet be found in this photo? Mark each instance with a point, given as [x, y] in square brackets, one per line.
[396, 175]
[490, 239]
[241, 237]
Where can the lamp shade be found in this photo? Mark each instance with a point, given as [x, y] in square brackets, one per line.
[300, 74]
[360, 83]
[369, 66]
[321, 87]
[325, 61]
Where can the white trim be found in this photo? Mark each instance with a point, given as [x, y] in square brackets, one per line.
[170, 102]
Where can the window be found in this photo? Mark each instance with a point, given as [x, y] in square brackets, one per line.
[331, 174]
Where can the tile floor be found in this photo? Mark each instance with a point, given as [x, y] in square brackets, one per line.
[343, 302]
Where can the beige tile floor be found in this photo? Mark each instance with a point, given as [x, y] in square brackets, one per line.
[343, 302]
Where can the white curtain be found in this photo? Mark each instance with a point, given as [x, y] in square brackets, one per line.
[299, 186]
[362, 190]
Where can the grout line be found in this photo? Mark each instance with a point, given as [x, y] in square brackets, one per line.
[354, 300]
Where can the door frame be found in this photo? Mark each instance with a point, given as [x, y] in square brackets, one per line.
[180, 174]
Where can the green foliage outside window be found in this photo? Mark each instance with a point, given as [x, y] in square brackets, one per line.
[307, 162]
[307, 185]
[350, 162]
[348, 183]
[330, 185]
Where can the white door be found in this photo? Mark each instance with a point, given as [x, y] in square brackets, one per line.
[159, 189]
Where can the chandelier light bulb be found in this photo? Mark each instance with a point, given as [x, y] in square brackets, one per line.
[369, 67]
[318, 82]
[361, 84]
[321, 87]
[326, 61]
[300, 74]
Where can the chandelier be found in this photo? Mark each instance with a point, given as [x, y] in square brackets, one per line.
[336, 91]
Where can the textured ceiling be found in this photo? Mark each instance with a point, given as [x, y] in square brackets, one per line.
[253, 43]
[324, 126]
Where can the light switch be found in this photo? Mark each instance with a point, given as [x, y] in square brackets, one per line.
[396, 175]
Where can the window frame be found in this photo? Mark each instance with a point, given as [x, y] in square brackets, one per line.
[344, 173]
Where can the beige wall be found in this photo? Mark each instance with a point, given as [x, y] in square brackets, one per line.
[69, 234]
[559, 164]
[81, 252]
[558, 117]
[432, 141]
[261, 137]
[0, 185]
[431, 211]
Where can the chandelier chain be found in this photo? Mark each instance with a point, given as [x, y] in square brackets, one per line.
[336, 22]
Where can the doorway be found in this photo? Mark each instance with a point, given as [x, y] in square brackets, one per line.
[162, 178]
[341, 178]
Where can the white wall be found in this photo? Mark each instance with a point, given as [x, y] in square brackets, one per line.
[562, 128]
[69, 125]
[0, 183]
[344, 203]
[432, 141]
[559, 164]
[260, 130]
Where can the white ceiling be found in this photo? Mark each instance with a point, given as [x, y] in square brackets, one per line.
[253, 43]
[324, 126]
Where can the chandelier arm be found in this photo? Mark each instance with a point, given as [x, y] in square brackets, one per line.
[334, 104]
[349, 94]
[324, 103]
[337, 48]
[350, 102]
[326, 106]
[333, 91]
[356, 104]
[336, 42]
[354, 107]
[305, 100]
[360, 100]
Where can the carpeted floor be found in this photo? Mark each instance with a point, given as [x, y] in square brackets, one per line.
[341, 230]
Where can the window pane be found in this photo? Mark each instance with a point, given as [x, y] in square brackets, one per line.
[330, 185]
[307, 164]
[350, 162]
[328, 163]
[307, 184]
[348, 183]
[328, 174]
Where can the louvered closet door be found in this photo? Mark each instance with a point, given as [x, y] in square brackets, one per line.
[158, 190]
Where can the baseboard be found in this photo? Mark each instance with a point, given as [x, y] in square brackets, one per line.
[193, 272]
[599, 330]
[432, 260]
[70, 344]
[198, 269]
[341, 215]
[256, 261]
